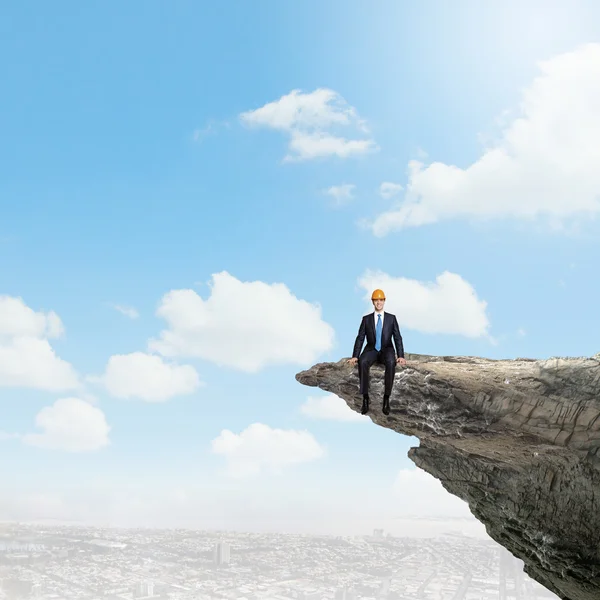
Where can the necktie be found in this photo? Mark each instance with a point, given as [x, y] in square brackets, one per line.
[378, 334]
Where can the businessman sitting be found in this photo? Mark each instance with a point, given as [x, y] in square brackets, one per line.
[379, 327]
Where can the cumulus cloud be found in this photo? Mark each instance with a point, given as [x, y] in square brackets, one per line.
[27, 358]
[419, 493]
[332, 408]
[312, 121]
[341, 194]
[449, 305]
[261, 448]
[244, 325]
[70, 424]
[148, 377]
[19, 320]
[544, 166]
[321, 144]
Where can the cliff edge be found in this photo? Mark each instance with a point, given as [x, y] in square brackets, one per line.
[518, 440]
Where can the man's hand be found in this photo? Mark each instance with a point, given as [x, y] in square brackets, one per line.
[353, 360]
[401, 361]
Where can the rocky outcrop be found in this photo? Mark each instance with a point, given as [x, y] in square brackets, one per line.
[518, 440]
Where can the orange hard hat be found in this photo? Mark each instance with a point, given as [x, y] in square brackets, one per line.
[378, 295]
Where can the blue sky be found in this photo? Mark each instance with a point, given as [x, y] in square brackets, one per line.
[150, 148]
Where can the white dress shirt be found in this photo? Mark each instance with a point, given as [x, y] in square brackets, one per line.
[375, 313]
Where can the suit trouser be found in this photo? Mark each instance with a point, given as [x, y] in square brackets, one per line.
[386, 356]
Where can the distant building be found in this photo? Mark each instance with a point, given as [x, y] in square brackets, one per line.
[385, 586]
[510, 575]
[378, 533]
[143, 589]
[222, 553]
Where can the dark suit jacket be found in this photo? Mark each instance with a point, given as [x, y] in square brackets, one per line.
[390, 330]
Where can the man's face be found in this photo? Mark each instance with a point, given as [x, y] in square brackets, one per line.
[378, 304]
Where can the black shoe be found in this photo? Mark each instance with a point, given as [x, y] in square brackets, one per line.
[386, 405]
[365, 406]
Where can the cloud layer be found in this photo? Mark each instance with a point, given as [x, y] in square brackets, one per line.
[261, 448]
[148, 377]
[313, 121]
[545, 164]
[27, 358]
[243, 325]
[70, 424]
[449, 305]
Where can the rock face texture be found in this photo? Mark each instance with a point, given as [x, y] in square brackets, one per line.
[518, 440]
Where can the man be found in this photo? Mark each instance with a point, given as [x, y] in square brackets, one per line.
[379, 327]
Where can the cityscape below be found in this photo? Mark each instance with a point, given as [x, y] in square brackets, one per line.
[49, 562]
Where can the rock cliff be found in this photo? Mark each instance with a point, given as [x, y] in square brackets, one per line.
[519, 440]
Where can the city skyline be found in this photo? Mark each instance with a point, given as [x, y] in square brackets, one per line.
[182, 564]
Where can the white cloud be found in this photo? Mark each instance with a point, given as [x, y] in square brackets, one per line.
[318, 110]
[26, 357]
[388, 189]
[261, 448]
[70, 424]
[545, 166]
[19, 320]
[341, 193]
[149, 377]
[332, 408]
[244, 325]
[309, 118]
[419, 493]
[449, 305]
[32, 363]
[128, 311]
[320, 144]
